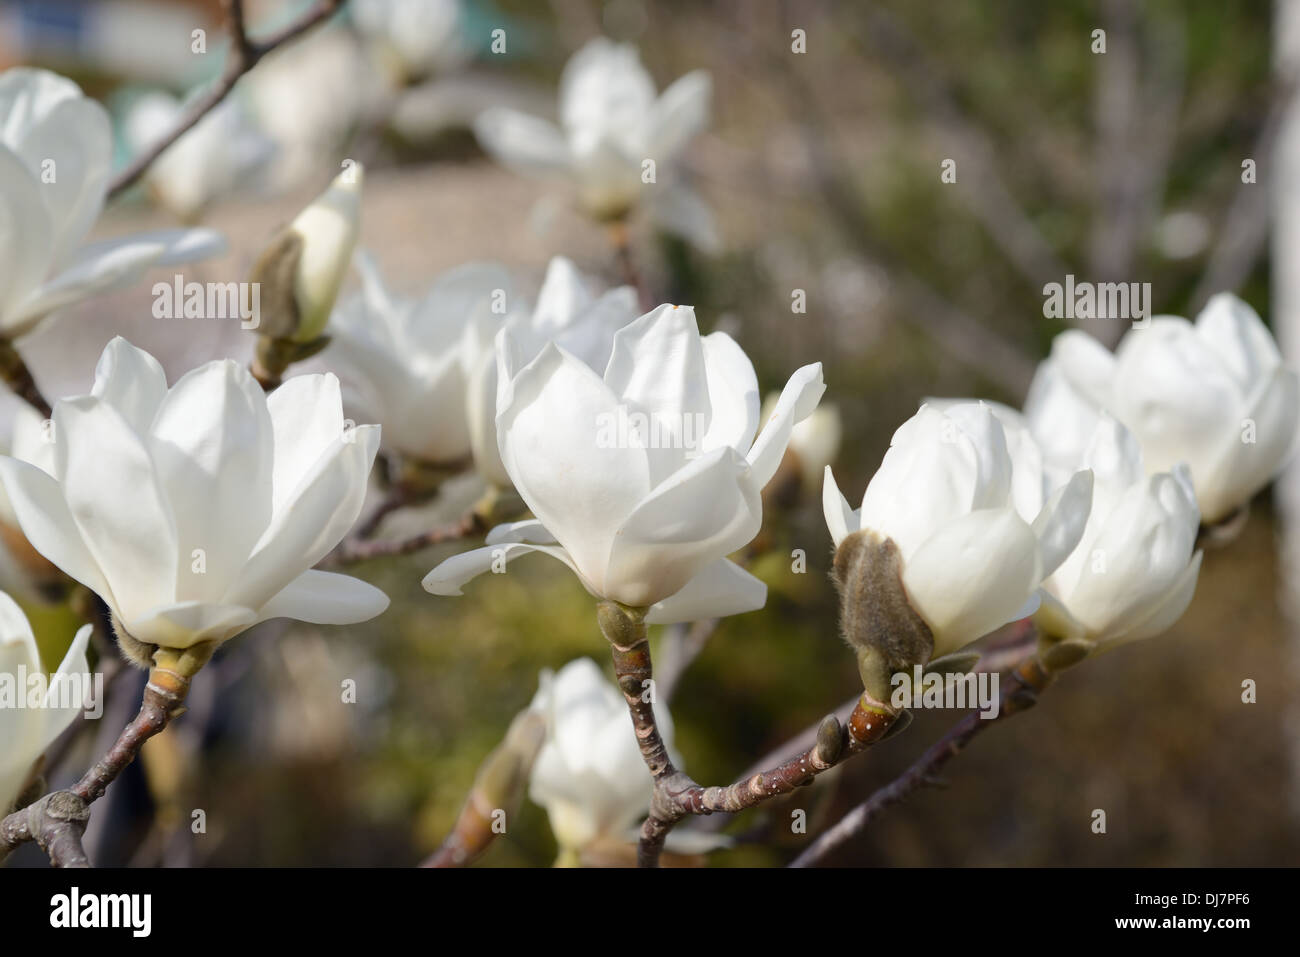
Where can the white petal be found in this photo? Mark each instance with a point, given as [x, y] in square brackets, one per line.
[580, 483]
[26, 239]
[733, 394]
[43, 514]
[798, 399]
[562, 297]
[528, 530]
[681, 111]
[312, 520]
[131, 381]
[306, 419]
[972, 576]
[1059, 526]
[450, 574]
[118, 503]
[106, 265]
[1165, 610]
[326, 598]
[212, 449]
[708, 509]
[717, 590]
[841, 519]
[526, 144]
[184, 624]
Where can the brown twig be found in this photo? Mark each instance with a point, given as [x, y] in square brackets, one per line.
[358, 549]
[1019, 693]
[56, 823]
[244, 54]
[18, 377]
[676, 795]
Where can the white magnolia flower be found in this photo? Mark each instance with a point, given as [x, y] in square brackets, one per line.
[974, 543]
[408, 362]
[567, 314]
[1213, 395]
[55, 153]
[209, 161]
[198, 511]
[1133, 573]
[589, 775]
[611, 123]
[644, 480]
[25, 732]
[419, 36]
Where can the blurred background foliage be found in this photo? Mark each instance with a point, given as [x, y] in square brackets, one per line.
[823, 172]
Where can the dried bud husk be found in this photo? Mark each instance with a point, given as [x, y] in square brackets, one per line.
[875, 616]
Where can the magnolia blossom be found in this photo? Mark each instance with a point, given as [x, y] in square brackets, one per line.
[974, 543]
[219, 153]
[27, 730]
[408, 362]
[1133, 573]
[568, 314]
[31, 440]
[612, 126]
[197, 511]
[1213, 395]
[417, 36]
[55, 153]
[589, 775]
[642, 480]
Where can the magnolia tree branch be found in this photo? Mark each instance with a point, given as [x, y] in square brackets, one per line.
[1019, 693]
[243, 55]
[359, 549]
[56, 822]
[18, 377]
[676, 795]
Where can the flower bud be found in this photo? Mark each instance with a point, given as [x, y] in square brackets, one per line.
[300, 272]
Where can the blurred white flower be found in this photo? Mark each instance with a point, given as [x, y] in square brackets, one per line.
[1213, 395]
[25, 732]
[611, 125]
[644, 480]
[974, 548]
[220, 153]
[195, 512]
[21, 566]
[418, 37]
[568, 314]
[309, 96]
[408, 362]
[55, 152]
[590, 776]
[814, 442]
[1133, 573]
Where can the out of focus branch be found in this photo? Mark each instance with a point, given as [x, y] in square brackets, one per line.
[1019, 693]
[985, 193]
[1246, 223]
[243, 55]
[18, 377]
[359, 549]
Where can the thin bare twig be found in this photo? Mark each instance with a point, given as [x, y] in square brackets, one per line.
[1019, 693]
[357, 549]
[676, 795]
[243, 55]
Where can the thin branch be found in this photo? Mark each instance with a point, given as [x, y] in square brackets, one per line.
[56, 823]
[676, 795]
[243, 55]
[18, 377]
[1019, 693]
[357, 549]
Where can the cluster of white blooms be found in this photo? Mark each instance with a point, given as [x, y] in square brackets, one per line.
[637, 444]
